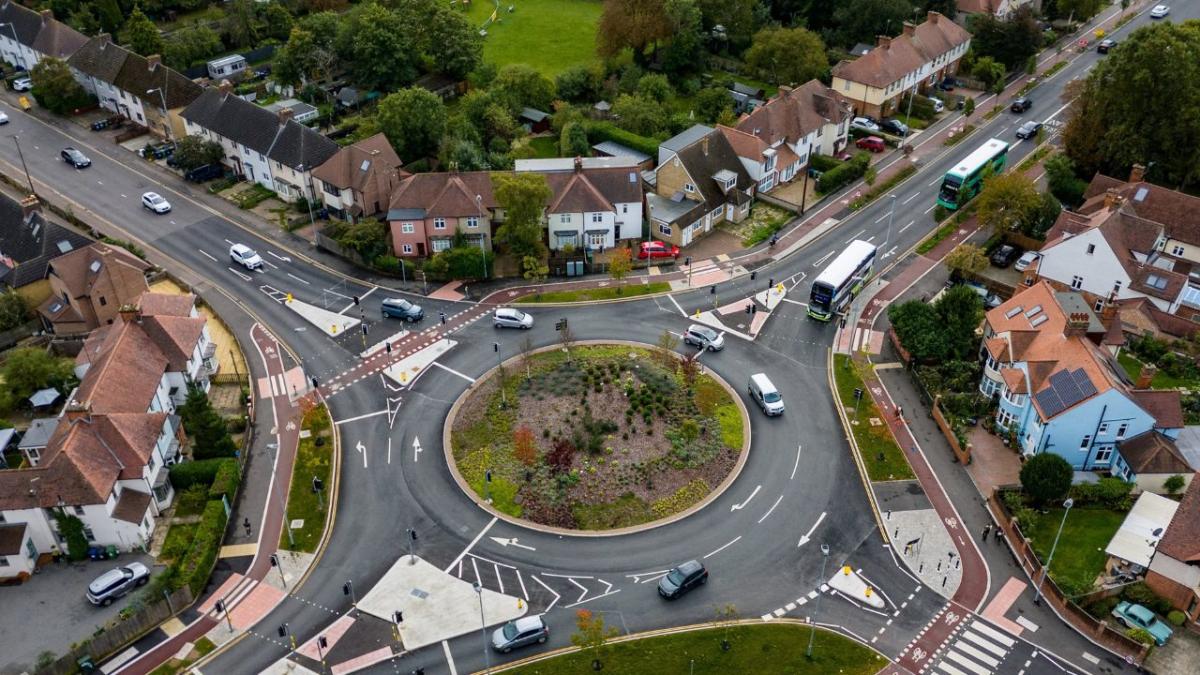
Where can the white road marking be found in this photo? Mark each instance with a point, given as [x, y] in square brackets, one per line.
[296, 277]
[856, 236]
[737, 507]
[449, 657]
[968, 663]
[676, 303]
[883, 217]
[499, 581]
[284, 258]
[906, 226]
[245, 277]
[206, 255]
[452, 371]
[389, 461]
[931, 208]
[992, 633]
[1094, 660]
[556, 595]
[936, 181]
[771, 509]
[735, 540]
[273, 265]
[472, 545]
[977, 654]
[823, 258]
[363, 449]
[521, 580]
[804, 539]
[797, 464]
[906, 201]
[360, 417]
[986, 644]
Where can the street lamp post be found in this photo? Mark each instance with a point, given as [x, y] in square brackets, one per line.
[487, 659]
[166, 115]
[23, 166]
[1037, 599]
[812, 627]
[807, 169]
[911, 95]
[500, 373]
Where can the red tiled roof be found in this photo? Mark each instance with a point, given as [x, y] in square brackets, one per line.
[793, 114]
[80, 269]
[904, 53]
[1174, 210]
[1014, 379]
[1162, 404]
[125, 371]
[1182, 538]
[166, 304]
[131, 506]
[446, 194]
[12, 535]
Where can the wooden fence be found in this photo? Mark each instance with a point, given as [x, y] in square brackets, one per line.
[962, 452]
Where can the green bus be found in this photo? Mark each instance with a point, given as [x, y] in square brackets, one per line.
[964, 181]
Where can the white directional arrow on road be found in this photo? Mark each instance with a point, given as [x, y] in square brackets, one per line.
[393, 409]
[805, 538]
[512, 542]
[735, 507]
[417, 453]
[363, 449]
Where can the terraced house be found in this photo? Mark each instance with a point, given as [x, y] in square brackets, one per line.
[27, 36]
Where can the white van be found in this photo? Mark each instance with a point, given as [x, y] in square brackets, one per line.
[765, 395]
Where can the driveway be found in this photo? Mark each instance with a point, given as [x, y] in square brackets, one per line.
[1178, 657]
[50, 613]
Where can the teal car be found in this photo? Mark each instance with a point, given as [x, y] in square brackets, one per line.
[1137, 616]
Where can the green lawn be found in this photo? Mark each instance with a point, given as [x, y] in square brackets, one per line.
[765, 648]
[311, 460]
[1162, 380]
[591, 294]
[883, 457]
[550, 35]
[544, 146]
[1080, 556]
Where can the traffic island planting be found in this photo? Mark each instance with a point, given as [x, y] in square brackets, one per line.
[596, 437]
[882, 456]
[314, 458]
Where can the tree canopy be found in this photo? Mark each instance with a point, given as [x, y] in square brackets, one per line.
[523, 196]
[633, 24]
[1010, 41]
[374, 46]
[142, 34]
[55, 88]
[787, 55]
[1046, 477]
[413, 120]
[1007, 203]
[940, 331]
[195, 151]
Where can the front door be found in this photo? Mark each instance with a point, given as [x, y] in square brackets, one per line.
[421, 249]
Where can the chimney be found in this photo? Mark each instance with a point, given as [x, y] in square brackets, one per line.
[1112, 199]
[909, 28]
[578, 164]
[226, 87]
[285, 115]
[784, 90]
[1144, 377]
[104, 39]
[29, 206]
[47, 15]
[153, 61]
[129, 313]
[932, 17]
[704, 146]
[1137, 173]
[1077, 324]
[882, 41]
[76, 411]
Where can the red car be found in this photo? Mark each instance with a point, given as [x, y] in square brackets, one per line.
[657, 249]
[872, 143]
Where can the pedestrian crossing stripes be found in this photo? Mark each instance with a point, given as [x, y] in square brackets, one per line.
[977, 649]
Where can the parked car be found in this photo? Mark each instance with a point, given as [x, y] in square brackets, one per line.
[1020, 105]
[990, 300]
[156, 203]
[1029, 129]
[245, 256]
[704, 338]
[203, 173]
[682, 579]
[865, 124]
[521, 632]
[1027, 258]
[947, 84]
[1137, 616]
[1005, 255]
[3, 118]
[117, 582]
[657, 249]
[399, 308]
[22, 84]
[75, 158]
[938, 104]
[872, 143]
[895, 127]
[1159, 11]
[507, 317]
[1105, 45]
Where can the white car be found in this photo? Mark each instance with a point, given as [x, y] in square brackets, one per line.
[864, 124]
[245, 256]
[22, 84]
[1159, 11]
[3, 118]
[938, 105]
[507, 317]
[1027, 258]
[156, 203]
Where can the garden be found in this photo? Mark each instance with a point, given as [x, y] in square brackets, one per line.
[597, 437]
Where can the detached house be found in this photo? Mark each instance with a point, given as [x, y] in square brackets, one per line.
[917, 58]
[776, 140]
[428, 209]
[1061, 390]
[357, 180]
[90, 285]
[28, 242]
[1001, 9]
[593, 208]
[697, 185]
[270, 149]
[1175, 568]
[27, 36]
[134, 86]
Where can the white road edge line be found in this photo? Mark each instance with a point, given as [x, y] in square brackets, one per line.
[472, 544]
[452, 371]
[735, 540]
[449, 657]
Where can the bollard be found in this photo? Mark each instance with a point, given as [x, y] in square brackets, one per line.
[921, 568]
[943, 582]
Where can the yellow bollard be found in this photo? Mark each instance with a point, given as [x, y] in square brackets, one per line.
[333, 327]
[289, 297]
[867, 592]
[697, 312]
[520, 604]
[846, 570]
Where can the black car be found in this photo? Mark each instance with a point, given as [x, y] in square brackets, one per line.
[1029, 129]
[203, 173]
[947, 84]
[1105, 45]
[75, 158]
[682, 579]
[1005, 255]
[894, 127]
[1021, 105]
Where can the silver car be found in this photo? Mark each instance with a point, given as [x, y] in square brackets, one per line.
[117, 582]
[704, 338]
[527, 630]
[507, 317]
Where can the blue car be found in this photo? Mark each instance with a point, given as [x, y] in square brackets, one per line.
[1137, 616]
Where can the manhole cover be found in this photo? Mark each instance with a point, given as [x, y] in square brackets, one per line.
[297, 524]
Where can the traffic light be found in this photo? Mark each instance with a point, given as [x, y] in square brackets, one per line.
[364, 327]
[317, 484]
[770, 283]
[487, 475]
[398, 617]
[322, 642]
[356, 301]
[388, 346]
[275, 563]
[687, 260]
[316, 385]
[749, 307]
[219, 606]
[442, 317]
[346, 588]
[283, 630]
[753, 275]
[712, 290]
[412, 534]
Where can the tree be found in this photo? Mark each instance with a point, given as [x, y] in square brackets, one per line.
[959, 312]
[455, 46]
[84, 20]
[13, 309]
[196, 151]
[636, 24]
[29, 369]
[413, 120]
[520, 86]
[573, 142]
[712, 102]
[639, 115]
[368, 238]
[685, 52]
[578, 84]
[787, 55]
[241, 23]
[71, 529]
[1010, 41]
[620, 262]
[523, 196]
[862, 20]
[655, 87]
[1043, 217]
[919, 329]
[592, 636]
[726, 616]
[55, 88]
[191, 43]
[461, 262]
[1174, 484]
[534, 269]
[967, 258]
[372, 44]
[988, 70]
[277, 20]
[205, 427]
[301, 59]
[737, 16]
[1046, 477]
[1062, 181]
[667, 343]
[1007, 202]
[142, 34]
[524, 447]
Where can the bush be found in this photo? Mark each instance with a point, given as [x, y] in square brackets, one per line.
[236, 423]
[1110, 492]
[1176, 617]
[823, 162]
[1140, 635]
[226, 481]
[191, 502]
[840, 176]
[461, 262]
[200, 472]
[1046, 477]
[1141, 594]
[1102, 609]
[195, 567]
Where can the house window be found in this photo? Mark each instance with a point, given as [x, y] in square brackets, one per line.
[1077, 282]
[407, 248]
[564, 218]
[472, 222]
[332, 190]
[1086, 442]
[440, 245]
[1121, 431]
[79, 510]
[34, 456]
[173, 391]
[624, 208]
[3, 561]
[30, 549]
[688, 187]
[406, 228]
[1091, 249]
[1005, 419]
[1102, 429]
[664, 230]
[439, 223]
[1104, 455]
[597, 239]
[1099, 306]
[1177, 250]
[87, 532]
[162, 492]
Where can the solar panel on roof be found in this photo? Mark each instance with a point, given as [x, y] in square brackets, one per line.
[1064, 385]
[1084, 383]
[1049, 402]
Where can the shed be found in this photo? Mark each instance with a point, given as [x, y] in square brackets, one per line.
[535, 120]
[6, 439]
[1137, 538]
[301, 111]
[37, 437]
[227, 67]
[614, 149]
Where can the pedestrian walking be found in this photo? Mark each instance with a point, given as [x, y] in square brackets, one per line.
[999, 535]
[899, 412]
[987, 529]
[246, 524]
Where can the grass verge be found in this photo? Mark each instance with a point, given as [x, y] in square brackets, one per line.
[942, 232]
[1034, 157]
[880, 453]
[882, 188]
[203, 647]
[1079, 557]
[769, 648]
[592, 294]
[1054, 69]
[550, 35]
[957, 138]
[314, 459]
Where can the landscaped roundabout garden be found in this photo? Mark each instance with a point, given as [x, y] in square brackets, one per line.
[597, 437]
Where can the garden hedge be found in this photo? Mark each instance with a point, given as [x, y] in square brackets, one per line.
[226, 480]
[605, 131]
[199, 472]
[195, 567]
[840, 176]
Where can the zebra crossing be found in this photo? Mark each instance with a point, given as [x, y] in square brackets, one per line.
[975, 648]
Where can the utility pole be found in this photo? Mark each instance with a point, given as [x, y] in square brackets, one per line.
[24, 167]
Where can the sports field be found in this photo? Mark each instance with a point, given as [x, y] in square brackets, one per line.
[550, 35]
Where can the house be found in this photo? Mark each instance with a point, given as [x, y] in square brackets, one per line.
[357, 180]
[301, 111]
[785, 132]
[36, 438]
[1139, 316]
[28, 242]
[914, 60]
[427, 210]
[1001, 9]
[231, 68]
[1175, 569]
[1060, 389]
[697, 186]
[89, 285]
[140, 88]
[271, 149]
[681, 140]
[27, 36]
[535, 121]
[745, 97]
[593, 208]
